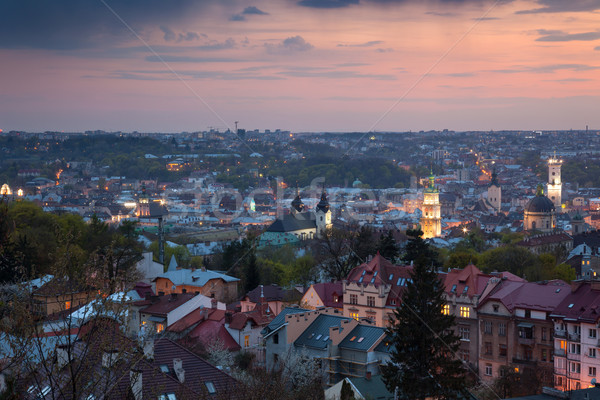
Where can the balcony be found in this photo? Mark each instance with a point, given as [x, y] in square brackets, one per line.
[560, 352]
[574, 337]
[560, 334]
[560, 371]
[526, 341]
[521, 360]
[573, 356]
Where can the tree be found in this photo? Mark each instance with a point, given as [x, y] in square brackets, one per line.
[387, 247]
[564, 272]
[252, 274]
[346, 393]
[333, 253]
[423, 362]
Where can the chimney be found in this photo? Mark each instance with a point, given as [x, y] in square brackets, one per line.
[213, 302]
[173, 296]
[149, 348]
[228, 317]
[62, 356]
[161, 293]
[135, 379]
[368, 377]
[178, 368]
[183, 291]
[109, 357]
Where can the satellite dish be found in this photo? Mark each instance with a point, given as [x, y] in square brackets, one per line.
[173, 288]
[593, 382]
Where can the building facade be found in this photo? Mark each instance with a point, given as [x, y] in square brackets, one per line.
[554, 186]
[431, 219]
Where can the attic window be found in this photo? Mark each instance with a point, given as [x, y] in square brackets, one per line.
[557, 290]
[453, 289]
[167, 396]
[496, 307]
[318, 337]
[398, 283]
[361, 339]
[364, 272]
[164, 368]
[571, 305]
[466, 290]
[326, 338]
[360, 280]
[375, 274]
[372, 279]
[210, 387]
[391, 277]
[352, 339]
[311, 335]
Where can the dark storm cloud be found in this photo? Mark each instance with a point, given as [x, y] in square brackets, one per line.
[560, 36]
[558, 6]
[75, 24]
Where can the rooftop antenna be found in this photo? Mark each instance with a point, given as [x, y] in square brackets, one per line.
[236, 129]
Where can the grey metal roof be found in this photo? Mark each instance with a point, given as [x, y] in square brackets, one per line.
[363, 337]
[385, 345]
[317, 334]
[280, 319]
[289, 223]
[196, 277]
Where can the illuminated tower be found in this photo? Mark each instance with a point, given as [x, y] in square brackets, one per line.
[554, 187]
[495, 192]
[431, 220]
[323, 214]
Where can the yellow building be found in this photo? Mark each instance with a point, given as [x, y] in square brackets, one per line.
[431, 219]
[554, 187]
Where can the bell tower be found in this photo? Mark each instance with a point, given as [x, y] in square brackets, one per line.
[554, 186]
[495, 192]
[431, 219]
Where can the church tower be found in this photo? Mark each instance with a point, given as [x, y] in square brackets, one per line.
[323, 215]
[431, 220]
[495, 192]
[554, 188]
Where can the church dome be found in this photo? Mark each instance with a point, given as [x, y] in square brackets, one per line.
[540, 204]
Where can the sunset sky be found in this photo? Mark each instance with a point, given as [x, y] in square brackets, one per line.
[308, 65]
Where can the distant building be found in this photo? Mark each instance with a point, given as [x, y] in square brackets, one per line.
[554, 185]
[540, 213]
[495, 192]
[431, 219]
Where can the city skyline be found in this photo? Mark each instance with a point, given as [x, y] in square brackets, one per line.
[331, 65]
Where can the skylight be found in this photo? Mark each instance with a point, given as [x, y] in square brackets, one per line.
[326, 338]
[391, 277]
[571, 305]
[318, 337]
[557, 290]
[210, 387]
[453, 289]
[361, 339]
[466, 289]
[360, 280]
[375, 274]
[311, 335]
[372, 279]
[352, 339]
[164, 368]
[398, 283]
[364, 272]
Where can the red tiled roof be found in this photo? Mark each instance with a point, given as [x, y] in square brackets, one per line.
[583, 304]
[165, 304]
[326, 292]
[195, 317]
[380, 271]
[545, 239]
[208, 331]
[540, 296]
[469, 278]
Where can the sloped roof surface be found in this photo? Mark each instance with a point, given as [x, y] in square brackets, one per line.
[317, 333]
[289, 223]
[280, 318]
[196, 277]
[529, 295]
[365, 336]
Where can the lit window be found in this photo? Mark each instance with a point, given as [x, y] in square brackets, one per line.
[446, 309]
[352, 339]
[160, 328]
[247, 341]
[354, 315]
[488, 369]
[465, 312]
[164, 368]
[67, 305]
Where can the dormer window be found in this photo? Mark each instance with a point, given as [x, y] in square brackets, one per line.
[453, 289]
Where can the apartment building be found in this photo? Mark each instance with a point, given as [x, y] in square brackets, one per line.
[576, 334]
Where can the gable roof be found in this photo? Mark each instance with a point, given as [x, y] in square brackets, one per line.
[316, 335]
[469, 281]
[196, 277]
[165, 304]
[372, 388]
[290, 223]
[327, 290]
